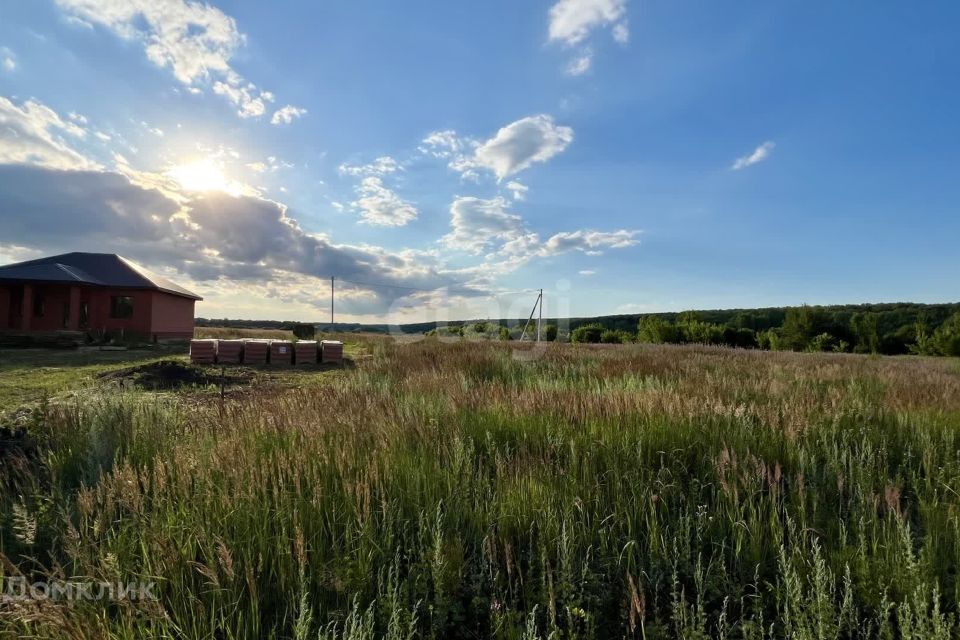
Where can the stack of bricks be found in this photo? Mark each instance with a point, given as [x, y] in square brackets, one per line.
[281, 352]
[306, 352]
[256, 351]
[331, 352]
[203, 351]
[229, 351]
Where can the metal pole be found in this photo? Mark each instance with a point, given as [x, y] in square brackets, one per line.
[331, 302]
[540, 317]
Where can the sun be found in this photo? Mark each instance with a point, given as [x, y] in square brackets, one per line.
[203, 175]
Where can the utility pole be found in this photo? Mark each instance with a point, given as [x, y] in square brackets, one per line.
[530, 319]
[540, 317]
[331, 302]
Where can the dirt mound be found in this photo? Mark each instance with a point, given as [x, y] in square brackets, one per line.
[172, 374]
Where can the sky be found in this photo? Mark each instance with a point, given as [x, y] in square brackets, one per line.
[443, 160]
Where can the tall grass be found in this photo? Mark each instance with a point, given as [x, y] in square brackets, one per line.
[457, 490]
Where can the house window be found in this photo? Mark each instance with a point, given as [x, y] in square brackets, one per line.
[84, 314]
[38, 305]
[121, 307]
[66, 315]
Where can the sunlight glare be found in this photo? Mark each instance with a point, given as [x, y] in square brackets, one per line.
[203, 175]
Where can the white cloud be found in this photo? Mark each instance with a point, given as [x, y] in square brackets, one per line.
[477, 224]
[488, 226]
[588, 241]
[379, 167]
[759, 154]
[249, 104]
[271, 165]
[581, 64]
[587, 272]
[522, 143]
[512, 149]
[443, 144]
[33, 133]
[621, 32]
[7, 60]
[195, 40]
[287, 114]
[572, 20]
[380, 206]
[518, 189]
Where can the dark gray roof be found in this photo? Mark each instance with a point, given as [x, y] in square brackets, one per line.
[98, 269]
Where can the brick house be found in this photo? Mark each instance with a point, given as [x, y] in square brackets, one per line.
[95, 293]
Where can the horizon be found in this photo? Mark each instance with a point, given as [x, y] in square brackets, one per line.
[627, 157]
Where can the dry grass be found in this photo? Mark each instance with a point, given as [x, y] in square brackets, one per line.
[484, 490]
[230, 333]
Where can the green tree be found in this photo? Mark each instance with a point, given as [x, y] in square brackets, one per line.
[504, 333]
[947, 336]
[866, 331]
[800, 326]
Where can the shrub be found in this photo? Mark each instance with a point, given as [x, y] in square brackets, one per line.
[504, 333]
[550, 333]
[611, 336]
[588, 333]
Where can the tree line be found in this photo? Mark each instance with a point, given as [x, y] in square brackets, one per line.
[884, 329]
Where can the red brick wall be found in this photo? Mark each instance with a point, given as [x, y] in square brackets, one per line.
[172, 316]
[156, 315]
[99, 311]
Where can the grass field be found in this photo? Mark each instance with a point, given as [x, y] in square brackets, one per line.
[478, 490]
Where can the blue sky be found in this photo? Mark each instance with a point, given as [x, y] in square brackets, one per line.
[626, 156]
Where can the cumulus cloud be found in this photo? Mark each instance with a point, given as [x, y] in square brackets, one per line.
[207, 236]
[520, 144]
[287, 114]
[759, 154]
[380, 206]
[571, 21]
[479, 225]
[33, 133]
[195, 40]
[515, 147]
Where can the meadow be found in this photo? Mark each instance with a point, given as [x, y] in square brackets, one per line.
[457, 489]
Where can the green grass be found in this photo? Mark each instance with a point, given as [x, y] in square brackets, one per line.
[30, 375]
[464, 490]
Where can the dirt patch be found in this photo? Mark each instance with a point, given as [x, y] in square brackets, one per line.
[173, 374]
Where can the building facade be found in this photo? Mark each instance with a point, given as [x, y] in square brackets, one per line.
[100, 294]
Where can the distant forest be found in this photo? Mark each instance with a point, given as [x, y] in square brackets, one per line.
[888, 328]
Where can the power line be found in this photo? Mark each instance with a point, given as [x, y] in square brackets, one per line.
[429, 290]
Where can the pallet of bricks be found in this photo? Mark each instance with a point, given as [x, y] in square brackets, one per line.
[305, 352]
[331, 352]
[229, 351]
[256, 351]
[203, 351]
[281, 352]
